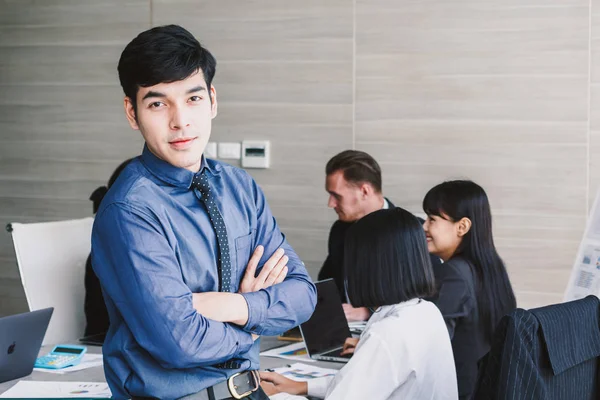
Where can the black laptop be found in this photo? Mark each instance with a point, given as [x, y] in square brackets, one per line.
[327, 329]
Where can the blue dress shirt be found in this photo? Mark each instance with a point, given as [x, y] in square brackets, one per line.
[153, 245]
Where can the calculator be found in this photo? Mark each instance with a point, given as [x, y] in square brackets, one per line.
[63, 355]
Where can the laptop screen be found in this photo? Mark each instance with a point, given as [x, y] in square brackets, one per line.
[328, 327]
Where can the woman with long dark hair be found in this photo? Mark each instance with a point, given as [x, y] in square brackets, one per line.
[474, 290]
[405, 351]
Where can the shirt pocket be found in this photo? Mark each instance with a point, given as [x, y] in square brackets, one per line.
[243, 250]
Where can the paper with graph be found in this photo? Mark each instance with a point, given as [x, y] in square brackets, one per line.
[585, 277]
[58, 390]
[304, 372]
[294, 351]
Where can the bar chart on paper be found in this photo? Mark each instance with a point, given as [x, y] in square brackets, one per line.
[585, 277]
[58, 390]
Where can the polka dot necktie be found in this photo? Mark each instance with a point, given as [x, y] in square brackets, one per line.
[224, 262]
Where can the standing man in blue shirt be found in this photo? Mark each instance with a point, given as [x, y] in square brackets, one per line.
[173, 238]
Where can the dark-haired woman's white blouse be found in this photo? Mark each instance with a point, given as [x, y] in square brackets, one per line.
[404, 353]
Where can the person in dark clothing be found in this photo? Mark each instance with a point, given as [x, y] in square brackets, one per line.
[473, 288]
[96, 316]
[332, 267]
[353, 181]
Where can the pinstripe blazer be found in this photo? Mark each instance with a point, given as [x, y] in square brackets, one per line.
[548, 353]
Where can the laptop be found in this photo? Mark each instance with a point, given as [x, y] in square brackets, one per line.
[327, 329]
[21, 338]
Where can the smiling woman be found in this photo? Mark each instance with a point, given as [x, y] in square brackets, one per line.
[474, 291]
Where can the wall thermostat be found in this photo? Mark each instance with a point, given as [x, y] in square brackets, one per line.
[256, 153]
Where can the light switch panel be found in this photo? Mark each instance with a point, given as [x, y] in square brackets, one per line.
[231, 151]
[211, 150]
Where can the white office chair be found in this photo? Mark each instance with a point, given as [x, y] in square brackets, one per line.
[51, 258]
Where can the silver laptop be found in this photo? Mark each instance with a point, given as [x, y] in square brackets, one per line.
[327, 329]
[21, 338]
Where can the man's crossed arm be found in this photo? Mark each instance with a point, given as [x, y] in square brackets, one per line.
[232, 307]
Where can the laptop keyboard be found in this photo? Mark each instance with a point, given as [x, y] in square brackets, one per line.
[336, 353]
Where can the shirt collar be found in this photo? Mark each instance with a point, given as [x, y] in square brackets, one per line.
[175, 176]
[385, 311]
[386, 204]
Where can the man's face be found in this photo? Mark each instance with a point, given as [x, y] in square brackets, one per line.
[345, 198]
[175, 119]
